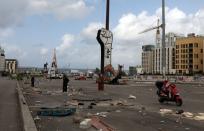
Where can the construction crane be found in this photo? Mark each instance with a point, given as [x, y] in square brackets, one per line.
[158, 37]
[152, 28]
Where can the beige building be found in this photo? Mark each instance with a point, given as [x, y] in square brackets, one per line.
[11, 66]
[148, 59]
[189, 54]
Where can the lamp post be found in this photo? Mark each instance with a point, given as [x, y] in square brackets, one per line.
[163, 40]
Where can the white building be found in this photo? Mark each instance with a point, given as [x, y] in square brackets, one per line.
[2, 60]
[170, 45]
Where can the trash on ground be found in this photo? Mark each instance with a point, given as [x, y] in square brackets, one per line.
[37, 118]
[165, 111]
[199, 117]
[85, 124]
[131, 97]
[188, 114]
[102, 114]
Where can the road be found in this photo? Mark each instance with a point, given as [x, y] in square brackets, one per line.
[128, 118]
[10, 119]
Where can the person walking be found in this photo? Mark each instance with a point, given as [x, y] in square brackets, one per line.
[65, 83]
[32, 81]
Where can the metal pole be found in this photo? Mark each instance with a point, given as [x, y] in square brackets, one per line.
[107, 13]
[163, 39]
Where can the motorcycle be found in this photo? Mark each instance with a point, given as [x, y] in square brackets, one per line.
[168, 96]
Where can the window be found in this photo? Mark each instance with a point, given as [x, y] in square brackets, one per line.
[195, 44]
[201, 50]
[195, 55]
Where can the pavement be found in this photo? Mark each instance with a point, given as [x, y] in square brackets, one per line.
[10, 118]
[142, 114]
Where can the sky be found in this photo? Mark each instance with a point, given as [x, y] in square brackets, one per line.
[31, 29]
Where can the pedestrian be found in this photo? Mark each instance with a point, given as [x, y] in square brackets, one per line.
[65, 83]
[32, 81]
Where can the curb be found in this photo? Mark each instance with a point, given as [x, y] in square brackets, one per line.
[28, 122]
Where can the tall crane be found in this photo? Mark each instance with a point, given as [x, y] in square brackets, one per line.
[158, 37]
[152, 28]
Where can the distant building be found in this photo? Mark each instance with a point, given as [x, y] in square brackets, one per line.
[135, 70]
[132, 70]
[189, 54]
[11, 66]
[2, 60]
[148, 58]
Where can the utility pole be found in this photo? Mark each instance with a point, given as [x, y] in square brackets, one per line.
[107, 13]
[163, 40]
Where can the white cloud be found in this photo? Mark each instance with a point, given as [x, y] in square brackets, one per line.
[66, 42]
[88, 34]
[61, 9]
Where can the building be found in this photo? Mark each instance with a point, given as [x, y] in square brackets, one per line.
[2, 60]
[170, 45]
[148, 58]
[189, 54]
[135, 70]
[11, 66]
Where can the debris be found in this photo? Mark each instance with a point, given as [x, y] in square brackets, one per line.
[188, 114]
[131, 97]
[187, 128]
[101, 125]
[180, 112]
[56, 111]
[165, 111]
[118, 111]
[162, 121]
[102, 114]
[73, 103]
[37, 118]
[200, 117]
[85, 124]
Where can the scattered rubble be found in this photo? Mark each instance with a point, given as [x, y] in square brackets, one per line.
[85, 124]
[131, 97]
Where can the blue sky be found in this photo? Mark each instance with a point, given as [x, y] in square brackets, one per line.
[31, 29]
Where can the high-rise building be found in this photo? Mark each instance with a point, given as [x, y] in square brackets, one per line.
[148, 58]
[2, 60]
[189, 54]
[170, 45]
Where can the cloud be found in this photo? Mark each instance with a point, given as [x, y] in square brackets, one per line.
[62, 9]
[88, 34]
[67, 41]
[12, 12]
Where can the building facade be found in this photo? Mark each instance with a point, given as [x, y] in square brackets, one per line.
[2, 60]
[170, 45]
[189, 54]
[11, 66]
[148, 58]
